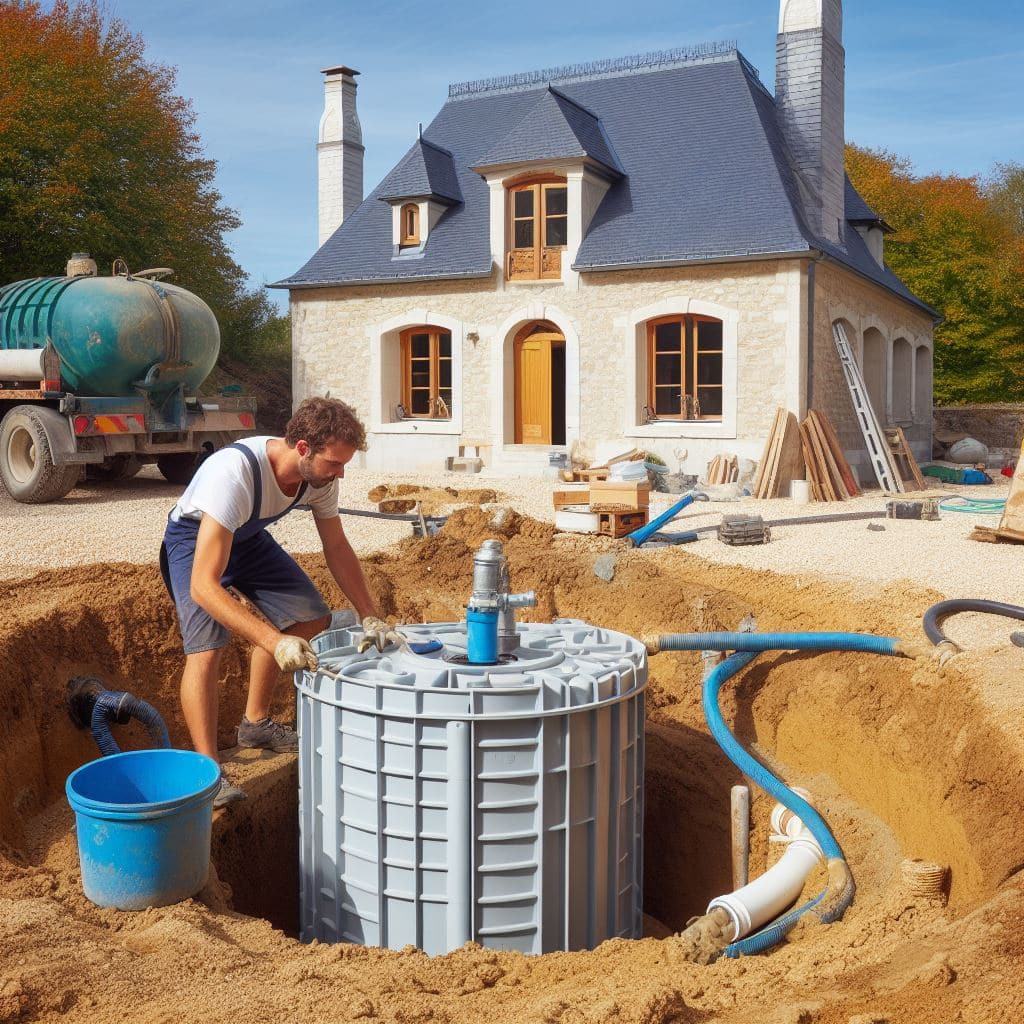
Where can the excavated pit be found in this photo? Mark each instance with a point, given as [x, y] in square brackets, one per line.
[905, 761]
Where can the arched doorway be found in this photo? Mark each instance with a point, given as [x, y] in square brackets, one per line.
[539, 361]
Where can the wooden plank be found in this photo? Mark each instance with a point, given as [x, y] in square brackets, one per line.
[812, 470]
[790, 461]
[820, 464]
[836, 448]
[835, 478]
[771, 480]
[771, 460]
[915, 472]
[763, 464]
[1012, 519]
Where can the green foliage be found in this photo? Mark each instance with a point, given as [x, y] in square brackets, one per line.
[99, 155]
[959, 246]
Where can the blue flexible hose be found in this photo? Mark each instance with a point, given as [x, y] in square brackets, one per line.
[748, 646]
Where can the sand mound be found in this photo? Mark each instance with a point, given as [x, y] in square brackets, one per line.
[906, 760]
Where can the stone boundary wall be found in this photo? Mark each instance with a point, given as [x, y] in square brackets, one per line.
[998, 426]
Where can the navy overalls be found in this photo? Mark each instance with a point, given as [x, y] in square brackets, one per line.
[258, 567]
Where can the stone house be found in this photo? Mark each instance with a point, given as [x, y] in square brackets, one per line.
[650, 250]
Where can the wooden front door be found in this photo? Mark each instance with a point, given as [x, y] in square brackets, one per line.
[533, 391]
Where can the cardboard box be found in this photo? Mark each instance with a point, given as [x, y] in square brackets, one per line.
[630, 495]
[563, 496]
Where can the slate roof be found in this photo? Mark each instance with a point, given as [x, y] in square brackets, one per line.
[425, 171]
[555, 128]
[705, 172]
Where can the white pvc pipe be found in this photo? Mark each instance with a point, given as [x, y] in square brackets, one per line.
[767, 897]
[21, 364]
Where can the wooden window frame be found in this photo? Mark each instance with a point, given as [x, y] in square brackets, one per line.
[689, 385]
[409, 225]
[439, 409]
[545, 261]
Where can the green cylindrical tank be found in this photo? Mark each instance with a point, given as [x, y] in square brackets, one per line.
[113, 334]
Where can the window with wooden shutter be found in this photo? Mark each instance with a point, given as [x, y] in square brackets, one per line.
[684, 368]
[538, 228]
[427, 372]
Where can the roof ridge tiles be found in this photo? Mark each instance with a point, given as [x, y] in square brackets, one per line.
[633, 64]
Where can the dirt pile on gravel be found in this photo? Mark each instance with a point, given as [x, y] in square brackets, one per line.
[403, 497]
[904, 759]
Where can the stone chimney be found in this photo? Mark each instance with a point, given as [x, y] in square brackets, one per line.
[339, 151]
[809, 98]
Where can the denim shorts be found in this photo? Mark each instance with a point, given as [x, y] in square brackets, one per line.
[258, 567]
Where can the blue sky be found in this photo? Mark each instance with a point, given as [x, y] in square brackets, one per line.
[941, 82]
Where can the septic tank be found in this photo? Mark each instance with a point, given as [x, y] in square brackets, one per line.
[443, 799]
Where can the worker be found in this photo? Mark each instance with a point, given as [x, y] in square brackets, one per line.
[217, 538]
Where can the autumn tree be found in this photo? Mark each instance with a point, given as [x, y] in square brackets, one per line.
[99, 154]
[959, 246]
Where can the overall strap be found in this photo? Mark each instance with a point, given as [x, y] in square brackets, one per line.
[257, 482]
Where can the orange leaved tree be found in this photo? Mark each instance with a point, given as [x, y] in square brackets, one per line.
[958, 244]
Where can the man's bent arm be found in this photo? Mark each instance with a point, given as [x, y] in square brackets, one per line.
[345, 567]
[213, 548]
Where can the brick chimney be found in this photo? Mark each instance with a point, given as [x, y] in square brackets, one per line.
[809, 98]
[339, 151]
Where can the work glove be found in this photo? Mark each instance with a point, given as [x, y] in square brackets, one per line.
[293, 654]
[376, 632]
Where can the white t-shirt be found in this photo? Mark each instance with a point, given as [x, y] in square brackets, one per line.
[223, 488]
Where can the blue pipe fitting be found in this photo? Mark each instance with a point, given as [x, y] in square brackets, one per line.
[482, 635]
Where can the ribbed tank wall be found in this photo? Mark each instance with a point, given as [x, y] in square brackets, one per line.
[111, 331]
[442, 803]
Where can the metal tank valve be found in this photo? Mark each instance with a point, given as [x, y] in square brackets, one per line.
[490, 612]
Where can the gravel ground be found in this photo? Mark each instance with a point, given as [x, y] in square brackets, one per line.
[108, 522]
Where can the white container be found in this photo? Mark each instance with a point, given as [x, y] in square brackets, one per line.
[800, 492]
[441, 802]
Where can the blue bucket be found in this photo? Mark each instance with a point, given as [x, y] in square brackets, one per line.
[144, 820]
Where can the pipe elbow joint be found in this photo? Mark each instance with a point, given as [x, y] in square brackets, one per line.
[652, 641]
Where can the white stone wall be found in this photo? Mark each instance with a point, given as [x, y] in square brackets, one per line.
[345, 342]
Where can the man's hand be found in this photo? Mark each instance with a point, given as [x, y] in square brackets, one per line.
[377, 633]
[293, 654]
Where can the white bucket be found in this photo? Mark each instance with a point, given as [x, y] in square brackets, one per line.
[800, 492]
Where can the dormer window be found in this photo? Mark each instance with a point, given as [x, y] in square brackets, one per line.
[410, 233]
[538, 213]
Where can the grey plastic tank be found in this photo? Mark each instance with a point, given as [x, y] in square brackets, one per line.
[442, 802]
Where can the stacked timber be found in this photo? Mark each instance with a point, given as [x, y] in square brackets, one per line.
[722, 469]
[781, 462]
[828, 472]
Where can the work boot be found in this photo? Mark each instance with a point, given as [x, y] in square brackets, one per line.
[269, 735]
[228, 793]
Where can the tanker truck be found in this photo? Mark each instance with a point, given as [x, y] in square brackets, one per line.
[104, 373]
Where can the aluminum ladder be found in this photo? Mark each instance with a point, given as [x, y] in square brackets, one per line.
[882, 462]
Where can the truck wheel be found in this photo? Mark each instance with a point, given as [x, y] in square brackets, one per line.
[122, 466]
[178, 468]
[26, 465]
